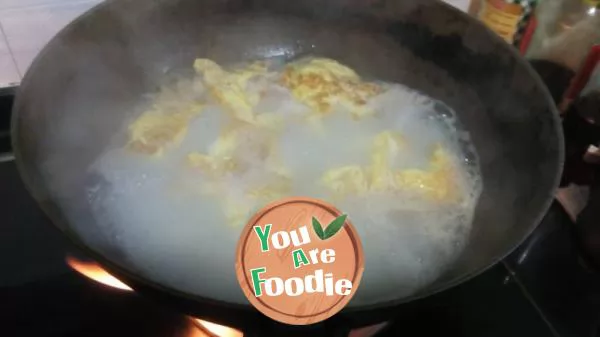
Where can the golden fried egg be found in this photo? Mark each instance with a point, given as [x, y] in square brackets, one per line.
[436, 183]
[154, 130]
[322, 83]
[231, 88]
[319, 84]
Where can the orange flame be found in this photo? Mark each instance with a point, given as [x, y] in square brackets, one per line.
[93, 271]
[96, 273]
[218, 330]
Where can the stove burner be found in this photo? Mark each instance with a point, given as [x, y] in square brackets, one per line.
[96, 273]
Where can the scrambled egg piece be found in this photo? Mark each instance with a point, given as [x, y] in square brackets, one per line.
[320, 83]
[231, 88]
[221, 155]
[346, 180]
[226, 155]
[154, 130]
[238, 209]
[277, 187]
[274, 162]
[211, 165]
[236, 213]
[386, 147]
[436, 183]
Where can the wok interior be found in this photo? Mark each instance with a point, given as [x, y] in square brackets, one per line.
[87, 81]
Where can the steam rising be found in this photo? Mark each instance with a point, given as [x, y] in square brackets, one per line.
[148, 214]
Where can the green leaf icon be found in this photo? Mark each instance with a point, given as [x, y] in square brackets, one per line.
[318, 229]
[335, 226]
[331, 229]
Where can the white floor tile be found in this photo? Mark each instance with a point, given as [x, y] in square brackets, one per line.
[28, 29]
[8, 70]
[463, 5]
[6, 4]
[29, 24]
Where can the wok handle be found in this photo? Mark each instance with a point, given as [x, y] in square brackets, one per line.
[582, 78]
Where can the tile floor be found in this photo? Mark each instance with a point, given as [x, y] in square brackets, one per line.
[26, 26]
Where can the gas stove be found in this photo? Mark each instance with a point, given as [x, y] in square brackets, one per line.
[48, 289]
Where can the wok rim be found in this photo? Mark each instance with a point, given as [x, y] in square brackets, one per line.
[358, 316]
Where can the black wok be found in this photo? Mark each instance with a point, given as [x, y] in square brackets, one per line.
[78, 90]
